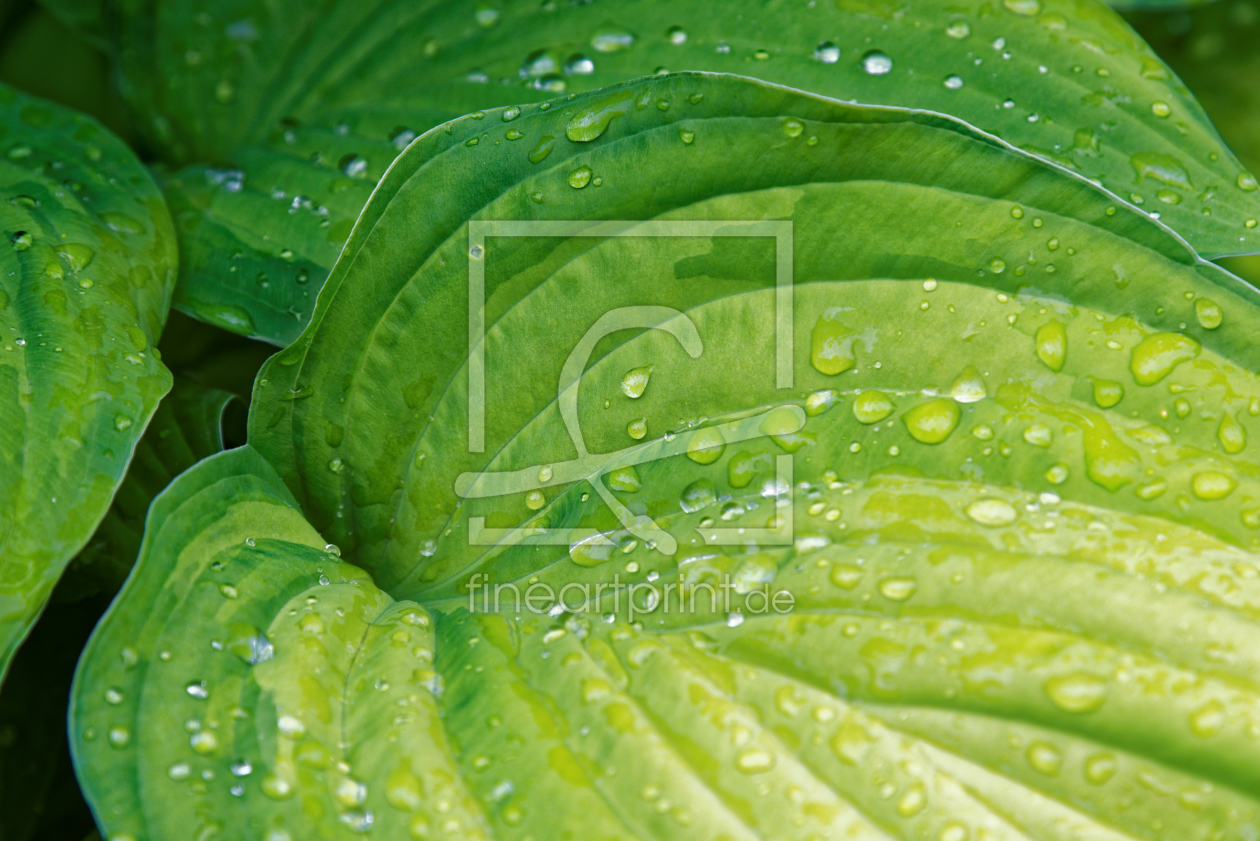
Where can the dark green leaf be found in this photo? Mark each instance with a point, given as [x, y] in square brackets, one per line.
[292, 127]
[86, 271]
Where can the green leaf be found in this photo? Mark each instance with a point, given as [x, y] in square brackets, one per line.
[1004, 470]
[86, 272]
[949, 665]
[187, 427]
[288, 128]
[43, 800]
[366, 415]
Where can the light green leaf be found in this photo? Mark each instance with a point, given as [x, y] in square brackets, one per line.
[367, 417]
[977, 527]
[86, 271]
[187, 427]
[1062, 79]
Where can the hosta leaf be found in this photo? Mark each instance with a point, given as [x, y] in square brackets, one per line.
[1025, 415]
[86, 272]
[290, 129]
[187, 427]
[366, 415]
[962, 660]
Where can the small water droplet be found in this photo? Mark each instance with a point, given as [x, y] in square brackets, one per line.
[992, 512]
[877, 63]
[827, 52]
[953, 82]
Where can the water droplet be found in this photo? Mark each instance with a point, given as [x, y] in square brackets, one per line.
[871, 407]
[121, 422]
[676, 35]
[579, 65]
[793, 127]
[1247, 181]
[846, 576]
[1100, 768]
[687, 136]
[706, 445]
[1232, 434]
[831, 344]
[1044, 757]
[1023, 7]
[203, 742]
[580, 177]
[119, 737]
[969, 387]
[1212, 485]
[1208, 313]
[953, 82]
[635, 381]
[1163, 167]
[1160, 108]
[754, 760]
[486, 15]
[511, 113]
[997, 265]
[179, 771]
[1051, 344]
[877, 63]
[625, 479]
[826, 52]
[353, 165]
[21, 240]
[1058, 474]
[698, 495]
[535, 500]
[228, 591]
[1038, 434]
[198, 690]
[277, 788]
[241, 768]
[611, 38]
[913, 801]
[898, 589]
[992, 512]
[1208, 720]
[545, 144]
[1077, 693]
[958, 29]
[932, 422]
[637, 428]
[1107, 393]
[1158, 354]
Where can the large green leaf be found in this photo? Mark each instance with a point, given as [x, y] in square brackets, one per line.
[1025, 418]
[297, 132]
[86, 272]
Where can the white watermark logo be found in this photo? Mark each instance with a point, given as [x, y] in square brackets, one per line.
[592, 467]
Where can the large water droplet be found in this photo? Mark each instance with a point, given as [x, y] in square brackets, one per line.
[1077, 693]
[969, 387]
[992, 512]
[1158, 354]
[831, 344]
[1051, 344]
[827, 52]
[872, 406]
[706, 445]
[1232, 434]
[636, 381]
[932, 422]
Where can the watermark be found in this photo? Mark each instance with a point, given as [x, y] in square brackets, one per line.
[723, 596]
[592, 467]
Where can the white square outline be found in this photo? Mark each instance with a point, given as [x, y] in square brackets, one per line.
[480, 229]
